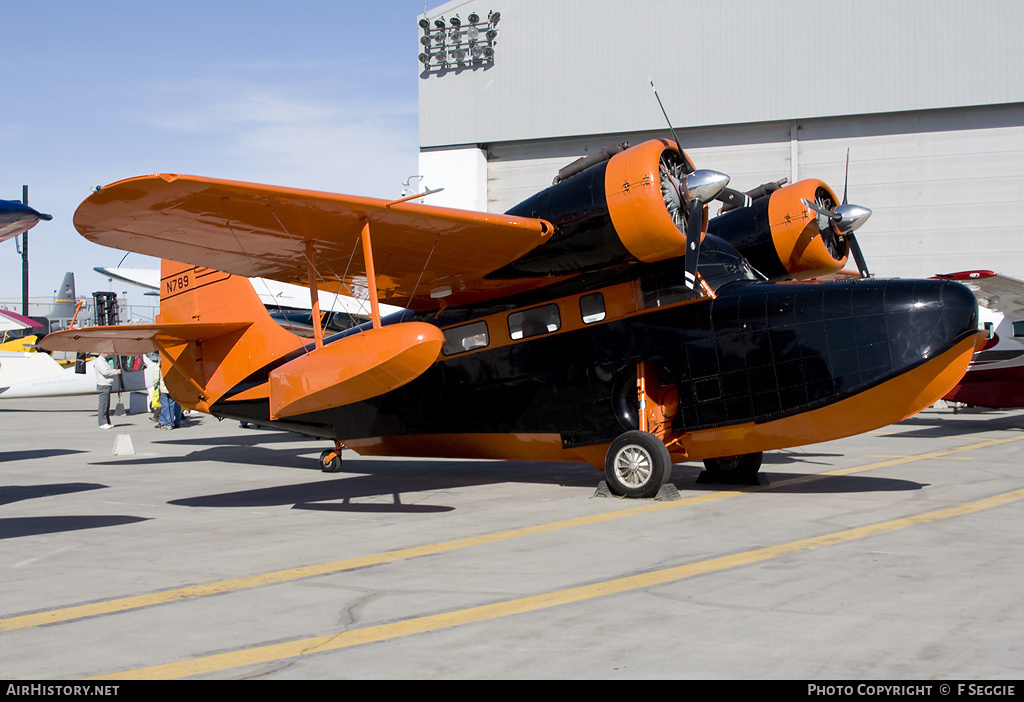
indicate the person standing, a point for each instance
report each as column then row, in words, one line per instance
column 170, row 410
column 104, row 382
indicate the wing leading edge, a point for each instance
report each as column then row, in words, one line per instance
column 423, row 254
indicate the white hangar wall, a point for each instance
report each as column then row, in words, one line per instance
column 928, row 97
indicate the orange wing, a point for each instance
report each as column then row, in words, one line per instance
column 422, row 253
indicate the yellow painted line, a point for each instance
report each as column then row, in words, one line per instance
column 137, row 601
column 418, row 625
column 219, row 587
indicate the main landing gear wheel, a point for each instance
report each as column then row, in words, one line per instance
column 732, row 470
column 330, row 461
column 637, row 465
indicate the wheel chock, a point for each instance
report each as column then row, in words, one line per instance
column 667, row 493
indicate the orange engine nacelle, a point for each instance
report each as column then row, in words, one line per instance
column 625, row 204
column 782, row 237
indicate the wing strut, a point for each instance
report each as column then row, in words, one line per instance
column 371, row 276
column 314, row 298
column 314, row 293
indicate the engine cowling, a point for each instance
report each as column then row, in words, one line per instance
column 784, row 238
column 630, row 207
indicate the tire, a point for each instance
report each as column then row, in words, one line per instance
column 733, row 470
column 332, row 466
column 637, row 465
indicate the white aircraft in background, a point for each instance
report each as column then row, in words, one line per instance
column 288, row 304
column 32, row 374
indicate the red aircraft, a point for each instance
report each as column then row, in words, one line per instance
column 995, row 376
column 604, row 319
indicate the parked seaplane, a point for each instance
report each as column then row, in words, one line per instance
column 995, row 376
column 597, row 321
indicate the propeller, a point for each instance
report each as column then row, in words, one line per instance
column 688, row 190
column 699, row 188
column 845, row 220
column 685, row 195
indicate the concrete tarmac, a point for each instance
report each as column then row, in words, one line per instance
column 217, row 552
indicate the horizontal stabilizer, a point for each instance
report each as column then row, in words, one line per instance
column 354, row 368
column 137, row 339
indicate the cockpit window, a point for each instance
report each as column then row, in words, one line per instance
column 1018, row 328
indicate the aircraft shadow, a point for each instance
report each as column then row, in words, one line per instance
column 32, row 454
column 368, row 480
column 777, row 458
column 937, row 425
column 245, row 454
column 391, row 480
column 16, row 493
column 15, row 527
column 830, row 484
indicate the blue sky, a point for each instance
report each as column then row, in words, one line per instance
column 310, row 93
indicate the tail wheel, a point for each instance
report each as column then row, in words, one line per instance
column 330, row 461
column 637, row 464
column 733, row 470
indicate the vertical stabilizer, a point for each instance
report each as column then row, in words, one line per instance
column 199, row 372
column 64, row 301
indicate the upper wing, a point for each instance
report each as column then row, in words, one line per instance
column 136, row 339
column 421, row 253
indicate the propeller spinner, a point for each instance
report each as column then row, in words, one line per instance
column 688, row 194
column 845, row 220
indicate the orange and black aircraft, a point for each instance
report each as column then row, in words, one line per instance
column 605, row 319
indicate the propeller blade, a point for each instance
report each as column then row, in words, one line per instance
column 846, row 178
column 858, row 256
column 694, row 222
column 734, row 198
column 824, row 212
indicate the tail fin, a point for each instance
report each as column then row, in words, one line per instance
column 64, row 303
column 200, row 372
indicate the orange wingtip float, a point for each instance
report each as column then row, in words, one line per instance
column 607, row 318
column 354, row 369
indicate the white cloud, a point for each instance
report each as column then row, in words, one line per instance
column 359, row 145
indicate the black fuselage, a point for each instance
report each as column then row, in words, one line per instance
column 756, row 352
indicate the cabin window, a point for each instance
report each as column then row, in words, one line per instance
column 465, row 338
column 532, row 322
column 592, row 308
column 1018, row 328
